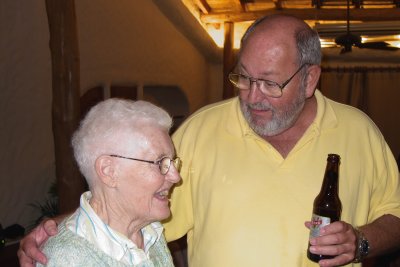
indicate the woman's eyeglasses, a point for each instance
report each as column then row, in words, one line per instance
column 164, row 163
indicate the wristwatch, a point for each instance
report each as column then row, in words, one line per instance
column 362, row 249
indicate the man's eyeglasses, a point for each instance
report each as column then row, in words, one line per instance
column 267, row 87
column 164, row 163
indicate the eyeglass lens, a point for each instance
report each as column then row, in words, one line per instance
column 165, row 164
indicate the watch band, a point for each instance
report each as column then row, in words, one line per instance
column 363, row 248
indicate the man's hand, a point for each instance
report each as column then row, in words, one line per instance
column 29, row 252
column 336, row 239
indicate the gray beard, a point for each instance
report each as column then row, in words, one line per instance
column 281, row 119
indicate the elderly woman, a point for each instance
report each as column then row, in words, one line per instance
column 126, row 155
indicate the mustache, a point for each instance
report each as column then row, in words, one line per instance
column 260, row 106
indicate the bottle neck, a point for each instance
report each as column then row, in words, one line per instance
column 330, row 183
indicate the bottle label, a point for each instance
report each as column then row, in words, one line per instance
column 317, row 222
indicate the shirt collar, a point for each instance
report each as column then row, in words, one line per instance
column 86, row 223
column 326, row 117
column 236, row 124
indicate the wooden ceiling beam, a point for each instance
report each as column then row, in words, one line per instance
column 373, row 14
column 203, row 6
column 239, row 5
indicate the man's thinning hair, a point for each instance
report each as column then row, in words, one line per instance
column 106, row 126
column 307, row 39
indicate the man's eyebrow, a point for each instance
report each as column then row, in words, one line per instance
column 240, row 67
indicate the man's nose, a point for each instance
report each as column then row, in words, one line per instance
column 255, row 94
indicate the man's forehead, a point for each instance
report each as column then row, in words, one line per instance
column 266, row 52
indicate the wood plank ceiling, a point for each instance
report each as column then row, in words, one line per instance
column 244, row 10
column 373, row 18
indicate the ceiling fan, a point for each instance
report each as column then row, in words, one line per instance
column 348, row 40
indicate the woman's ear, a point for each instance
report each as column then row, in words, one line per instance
column 312, row 78
column 106, row 170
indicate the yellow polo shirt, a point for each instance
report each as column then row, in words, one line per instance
column 242, row 204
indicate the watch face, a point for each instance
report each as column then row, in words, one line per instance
column 364, row 247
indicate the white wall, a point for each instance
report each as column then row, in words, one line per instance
column 121, row 42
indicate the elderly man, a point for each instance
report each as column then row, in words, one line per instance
column 124, row 151
column 254, row 164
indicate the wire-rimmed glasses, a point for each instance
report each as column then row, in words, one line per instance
column 267, row 87
column 164, row 163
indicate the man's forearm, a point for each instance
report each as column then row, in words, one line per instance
column 383, row 235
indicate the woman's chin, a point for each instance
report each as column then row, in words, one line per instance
column 163, row 214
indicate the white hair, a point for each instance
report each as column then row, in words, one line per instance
column 103, row 128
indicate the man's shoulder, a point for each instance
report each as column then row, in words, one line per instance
column 207, row 116
column 349, row 118
column 214, row 110
column 349, row 113
column 343, row 112
column 207, row 120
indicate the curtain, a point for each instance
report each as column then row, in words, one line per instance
column 374, row 90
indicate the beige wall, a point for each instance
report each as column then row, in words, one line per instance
column 27, row 160
column 121, row 42
column 133, row 42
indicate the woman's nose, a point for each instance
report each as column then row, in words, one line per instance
column 173, row 175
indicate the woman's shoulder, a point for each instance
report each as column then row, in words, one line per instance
column 64, row 239
column 68, row 249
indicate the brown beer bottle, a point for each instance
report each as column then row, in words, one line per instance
column 327, row 205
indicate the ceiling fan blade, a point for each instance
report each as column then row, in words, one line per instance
column 348, row 39
column 377, row 45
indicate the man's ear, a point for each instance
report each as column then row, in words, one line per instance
column 312, row 78
column 106, row 171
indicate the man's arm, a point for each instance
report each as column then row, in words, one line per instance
column 28, row 252
column 383, row 235
column 339, row 238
